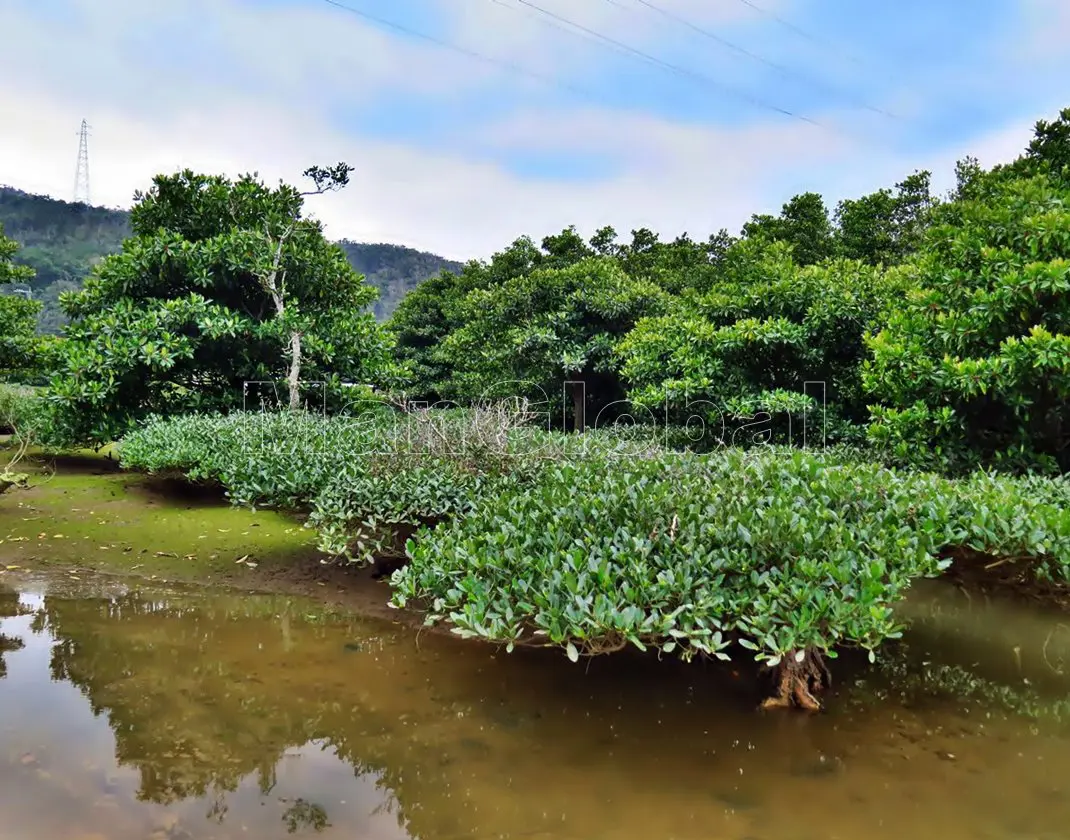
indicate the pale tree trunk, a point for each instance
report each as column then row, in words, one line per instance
column 293, row 381
column 275, row 284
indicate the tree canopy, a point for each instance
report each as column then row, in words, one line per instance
column 205, row 297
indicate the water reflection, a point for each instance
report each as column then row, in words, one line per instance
column 9, row 607
column 167, row 713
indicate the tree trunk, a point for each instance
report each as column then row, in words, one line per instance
column 579, row 406
column 293, row 381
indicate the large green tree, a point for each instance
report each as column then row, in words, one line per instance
column 435, row 309
column 222, row 283
column 769, row 341
column 535, row 332
column 803, row 223
column 976, row 364
column 886, row 226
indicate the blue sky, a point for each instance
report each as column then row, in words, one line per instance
column 460, row 156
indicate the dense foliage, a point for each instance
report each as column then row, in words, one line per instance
column 787, row 551
column 365, row 478
column 23, row 355
column 223, row 283
column 768, row 350
column 537, row 333
column 368, row 478
column 976, row 362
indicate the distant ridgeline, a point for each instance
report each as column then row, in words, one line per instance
column 62, row 241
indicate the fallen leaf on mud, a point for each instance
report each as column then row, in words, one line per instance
column 251, row 564
column 138, row 566
column 57, row 536
column 166, row 554
column 190, row 557
column 242, row 559
column 223, row 530
column 12, row 568
column 42, row 535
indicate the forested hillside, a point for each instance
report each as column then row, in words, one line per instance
column 62, row 241
column 394, row 270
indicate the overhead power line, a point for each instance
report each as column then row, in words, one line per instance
column 802, row 33
column 665, row 65
column 487, row 59
column 551, row 24
column 713, row 36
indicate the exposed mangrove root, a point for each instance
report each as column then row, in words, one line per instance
column 798, row 681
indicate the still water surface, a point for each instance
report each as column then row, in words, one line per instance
column 129, row 712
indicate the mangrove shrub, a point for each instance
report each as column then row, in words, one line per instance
column 975, row 364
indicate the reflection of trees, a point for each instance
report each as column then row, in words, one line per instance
column 201, row 697
column 9, row 608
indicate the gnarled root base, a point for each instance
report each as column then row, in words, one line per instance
column 797, row 682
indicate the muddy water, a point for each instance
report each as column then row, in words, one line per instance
column 129, row 712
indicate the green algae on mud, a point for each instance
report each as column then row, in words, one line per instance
column 81, row 511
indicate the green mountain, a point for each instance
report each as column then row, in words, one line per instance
column 62, row 241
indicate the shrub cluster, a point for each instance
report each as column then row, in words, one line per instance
column 365, row 481
column 782, row 550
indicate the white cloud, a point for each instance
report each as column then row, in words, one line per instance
column 535, row 38
column 271, row 117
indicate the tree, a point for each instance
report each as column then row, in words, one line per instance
column 222, row 283
column 1050, row 146
column 974, row 365
column 19, row 344
column 435, row 308
column 745, row 348
column 885, row 227
column 803, row 223
column 20, row 347
column 538, row 330
column 422, row 320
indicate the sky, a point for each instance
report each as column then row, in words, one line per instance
column 472, row 122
